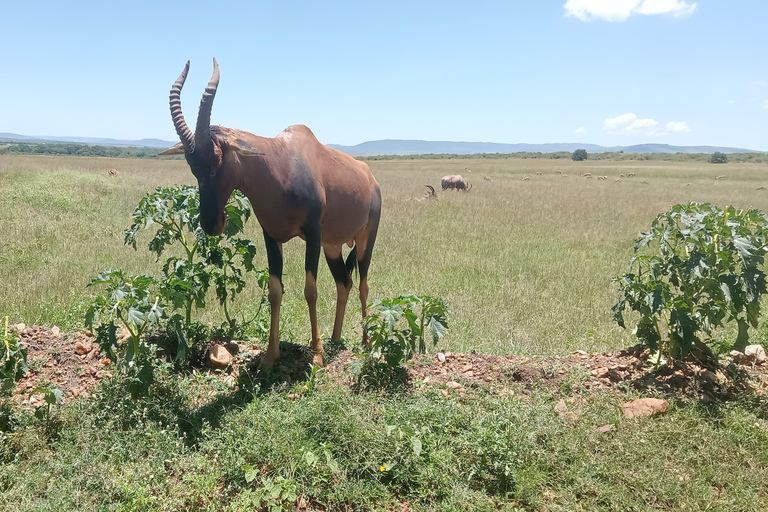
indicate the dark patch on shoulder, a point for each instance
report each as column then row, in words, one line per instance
column 302, row 191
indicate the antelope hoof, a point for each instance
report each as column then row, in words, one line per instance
column 268, row 361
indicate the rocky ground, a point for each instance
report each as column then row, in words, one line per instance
column 73, row 362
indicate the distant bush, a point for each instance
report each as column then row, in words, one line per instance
column 579, row 155
column 718, row 158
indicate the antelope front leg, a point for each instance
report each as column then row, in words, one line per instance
column 275, row 261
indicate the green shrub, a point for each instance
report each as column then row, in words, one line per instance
column 208, row 261
column 13, row 361
column 718, row 158
column 704, row 270
column 579, row 155
column 396, row 329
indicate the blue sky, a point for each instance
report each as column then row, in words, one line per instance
column 596, row 71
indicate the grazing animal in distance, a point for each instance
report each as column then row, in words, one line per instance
column 526, row 178
column 113, row 172
column 760, row 188
column 297, row 187
column 720, row 177
column 454, row 182
column 428, row 195
column 538, row 173
column 467, row 170
column 487, row 178
column 631, row 175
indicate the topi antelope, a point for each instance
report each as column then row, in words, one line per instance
column 297, row 187
column 455, row 182
column 113, row 172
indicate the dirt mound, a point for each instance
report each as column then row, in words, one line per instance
column 73, row 362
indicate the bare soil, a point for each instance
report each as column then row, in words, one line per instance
column 73, row 362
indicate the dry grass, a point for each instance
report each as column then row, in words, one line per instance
column 525, row 265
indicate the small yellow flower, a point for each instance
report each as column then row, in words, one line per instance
column 383, row 468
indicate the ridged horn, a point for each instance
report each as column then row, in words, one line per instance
column 203, row 130
column 185, row 134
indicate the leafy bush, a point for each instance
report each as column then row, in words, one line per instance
column 52, row 395
column 579, row 155
column 718, row 158
column 208, row 261
column 705, row 271
column 128, row 301
column 13, row 361
column 396, row 329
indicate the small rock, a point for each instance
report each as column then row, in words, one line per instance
column 293, row 396
column 600, row 373
column 219, row 356
column 83, row 347
column 467, row 368
column 604, row 428
column 55, row 330
column 614, row 375
column 754, row 354
column 736, row 355
column 441, row 357
column 709, row 376
column 20, row 327
column 561, row 409
column 444, row 392
column 581, row 352
column 453, row 384
column 644, row 407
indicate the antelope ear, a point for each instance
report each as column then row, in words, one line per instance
column 178, row 149
column 242, row 148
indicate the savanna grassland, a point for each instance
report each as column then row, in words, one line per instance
column 526, row 267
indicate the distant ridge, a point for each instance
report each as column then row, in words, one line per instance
column 424, row 147
column 409, row 147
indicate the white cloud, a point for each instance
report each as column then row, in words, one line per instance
column 579, row 130
column 620, row 10
column 677, row 126
column 765, row 104
column 730, row 102
column 630, row 123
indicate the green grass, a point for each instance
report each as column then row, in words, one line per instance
column 526, row 266
column 483, row 452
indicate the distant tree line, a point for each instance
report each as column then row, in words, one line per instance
column 23, row 148
column 607, row 155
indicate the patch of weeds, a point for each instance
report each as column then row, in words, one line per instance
column 333, row 348
column 375, row 375
column 573, row 378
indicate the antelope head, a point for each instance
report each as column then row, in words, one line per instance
column 205, row 152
